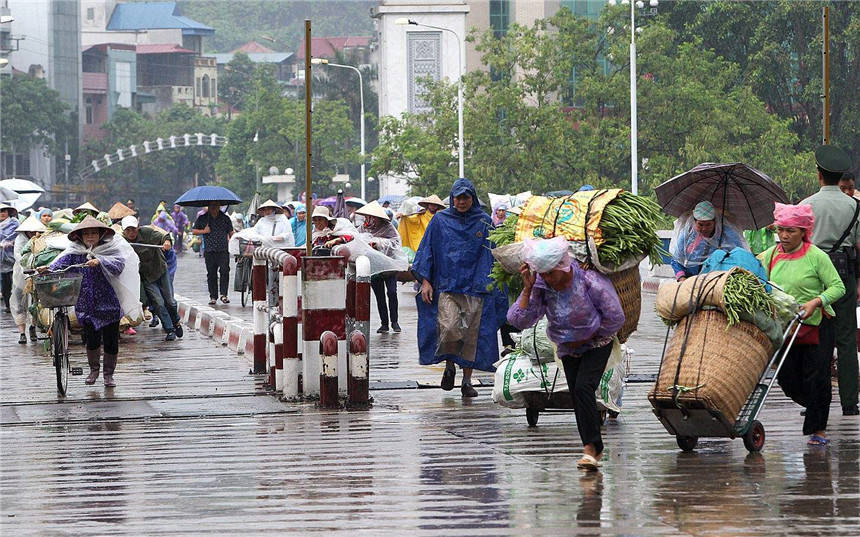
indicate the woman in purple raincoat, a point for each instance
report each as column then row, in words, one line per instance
column 583, row 315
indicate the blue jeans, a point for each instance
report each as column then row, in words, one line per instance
column 161, row 301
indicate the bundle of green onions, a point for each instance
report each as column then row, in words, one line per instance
column 502, row 236
column 629, row 224
column 744, row 295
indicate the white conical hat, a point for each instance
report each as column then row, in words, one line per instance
column 272, row 204
column 434, row 199
column 32, row 224
column 373, row 209
column 85, row 207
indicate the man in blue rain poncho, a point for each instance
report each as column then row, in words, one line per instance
column 457, row 316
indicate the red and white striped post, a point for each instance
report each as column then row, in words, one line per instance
column 258, row 295
column 328, row 370
column 361, row 299
column 359, row 367
column 291, row 362
column 323, row 309
column 350, row 297
column 299, row 252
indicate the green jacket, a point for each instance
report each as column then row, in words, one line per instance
column 152, row 263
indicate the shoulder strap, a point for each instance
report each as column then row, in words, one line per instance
column 838, row 244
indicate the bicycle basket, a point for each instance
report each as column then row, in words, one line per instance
column 59, row 289
column 246, row 247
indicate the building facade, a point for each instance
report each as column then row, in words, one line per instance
column 49, row 47
column 109, row 83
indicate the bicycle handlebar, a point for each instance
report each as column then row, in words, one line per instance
column 31, row 272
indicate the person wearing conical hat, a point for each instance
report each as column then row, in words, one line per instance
column 119, row 211
column 8, row 232
column 273, row 225
column 386, row 240
column 837, row 232
column 412, row 226
column 98, row 307
column 19, row 300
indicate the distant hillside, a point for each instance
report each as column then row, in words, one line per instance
column 239, row 21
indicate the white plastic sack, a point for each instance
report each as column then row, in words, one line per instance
column 511, row 200
column 515, row 375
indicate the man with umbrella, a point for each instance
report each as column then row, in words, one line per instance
column 836, row 231
column 216, row 229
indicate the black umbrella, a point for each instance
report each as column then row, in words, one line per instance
column 201, row 196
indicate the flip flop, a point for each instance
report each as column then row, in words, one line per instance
column 587, row 462
column 816, row 440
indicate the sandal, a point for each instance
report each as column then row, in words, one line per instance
column 587, row 462
column 816, row 440
column 224, row 299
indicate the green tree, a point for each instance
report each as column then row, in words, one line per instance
column 550, row 113
column 158, row 175
column 234, row 82
column 33, row 115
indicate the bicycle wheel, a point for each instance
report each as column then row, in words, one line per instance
column 60, row 350
column 246, row 281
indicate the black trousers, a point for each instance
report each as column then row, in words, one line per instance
column 108, row 334
column 506, row 330
column 381, row 284
column 583, row 375
column 6, row 287
column 217, row 262
column 805, row 379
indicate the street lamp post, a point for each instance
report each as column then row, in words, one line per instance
column 404, row 22
column 323, row 61
column 634, row 126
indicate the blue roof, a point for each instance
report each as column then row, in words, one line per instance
column 154, row 16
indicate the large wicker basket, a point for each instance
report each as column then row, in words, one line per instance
column 629, row 288
column 713, row 367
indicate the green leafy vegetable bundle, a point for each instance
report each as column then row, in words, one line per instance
column 502, row 236
column 744, row 296
column 629, row 225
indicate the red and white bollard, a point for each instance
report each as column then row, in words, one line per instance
column 359, row 368
column 361, row 299
column 323, row 309
column 258, row 295
column 289, row 311
column 328, row 370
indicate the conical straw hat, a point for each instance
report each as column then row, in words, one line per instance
column 32, row 224
column 373, row 209
column 119, row 211
column 272, row 204
column 85, row 207
column 88, row 223
column 434, row 199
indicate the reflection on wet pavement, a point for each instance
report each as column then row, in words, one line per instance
column 421, row 462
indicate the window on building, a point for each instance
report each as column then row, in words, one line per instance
column 205, row 86
column 123, row 84
column 214, row 89
column 91, row 13
column 197, row 87
column 89, row 110
column 500, row 16
column 16, row 164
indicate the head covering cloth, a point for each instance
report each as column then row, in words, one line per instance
column 546, row 255
column 799, row 216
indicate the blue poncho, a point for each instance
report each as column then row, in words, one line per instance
column 454, row 255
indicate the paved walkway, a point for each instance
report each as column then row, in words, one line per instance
column 187, row 444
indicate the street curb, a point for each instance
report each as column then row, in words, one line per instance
column 223, row 328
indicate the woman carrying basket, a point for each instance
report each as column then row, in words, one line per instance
column 806, row 273
column 583, row 314
column 108, row 261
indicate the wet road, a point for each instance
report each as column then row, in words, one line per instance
column 189, row 444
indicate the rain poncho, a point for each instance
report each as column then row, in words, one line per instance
column 454, row 256
column 113, row 253
column 581, row 317
column 689, row 249
column 360, row 245
column 19, row 301
column 299, row 227
column 412, row 228
column 497, row 221
column 275, row 230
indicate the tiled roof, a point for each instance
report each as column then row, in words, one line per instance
column 154, row 16
column 325, row 47
column 252, row 47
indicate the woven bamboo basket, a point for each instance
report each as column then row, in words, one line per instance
column 629, row 288
column 719, row 367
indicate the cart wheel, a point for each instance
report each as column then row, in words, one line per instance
column 532, row 415
column 603, row 414
column 687, row 443
column 754, row 439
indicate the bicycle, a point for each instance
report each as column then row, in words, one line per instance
column 244, row 261
column 58, row 291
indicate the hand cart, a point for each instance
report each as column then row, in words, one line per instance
column 694, row 420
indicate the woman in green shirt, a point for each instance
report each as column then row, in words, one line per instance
column 806, row 273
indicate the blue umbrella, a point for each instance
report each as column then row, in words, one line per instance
column 201, row 196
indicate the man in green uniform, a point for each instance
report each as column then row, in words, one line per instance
column 837, row 233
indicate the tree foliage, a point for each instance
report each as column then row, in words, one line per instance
column 235, row 82
column 33, row 114
column 551, row 111
column 278, row 123
column 160, row 175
